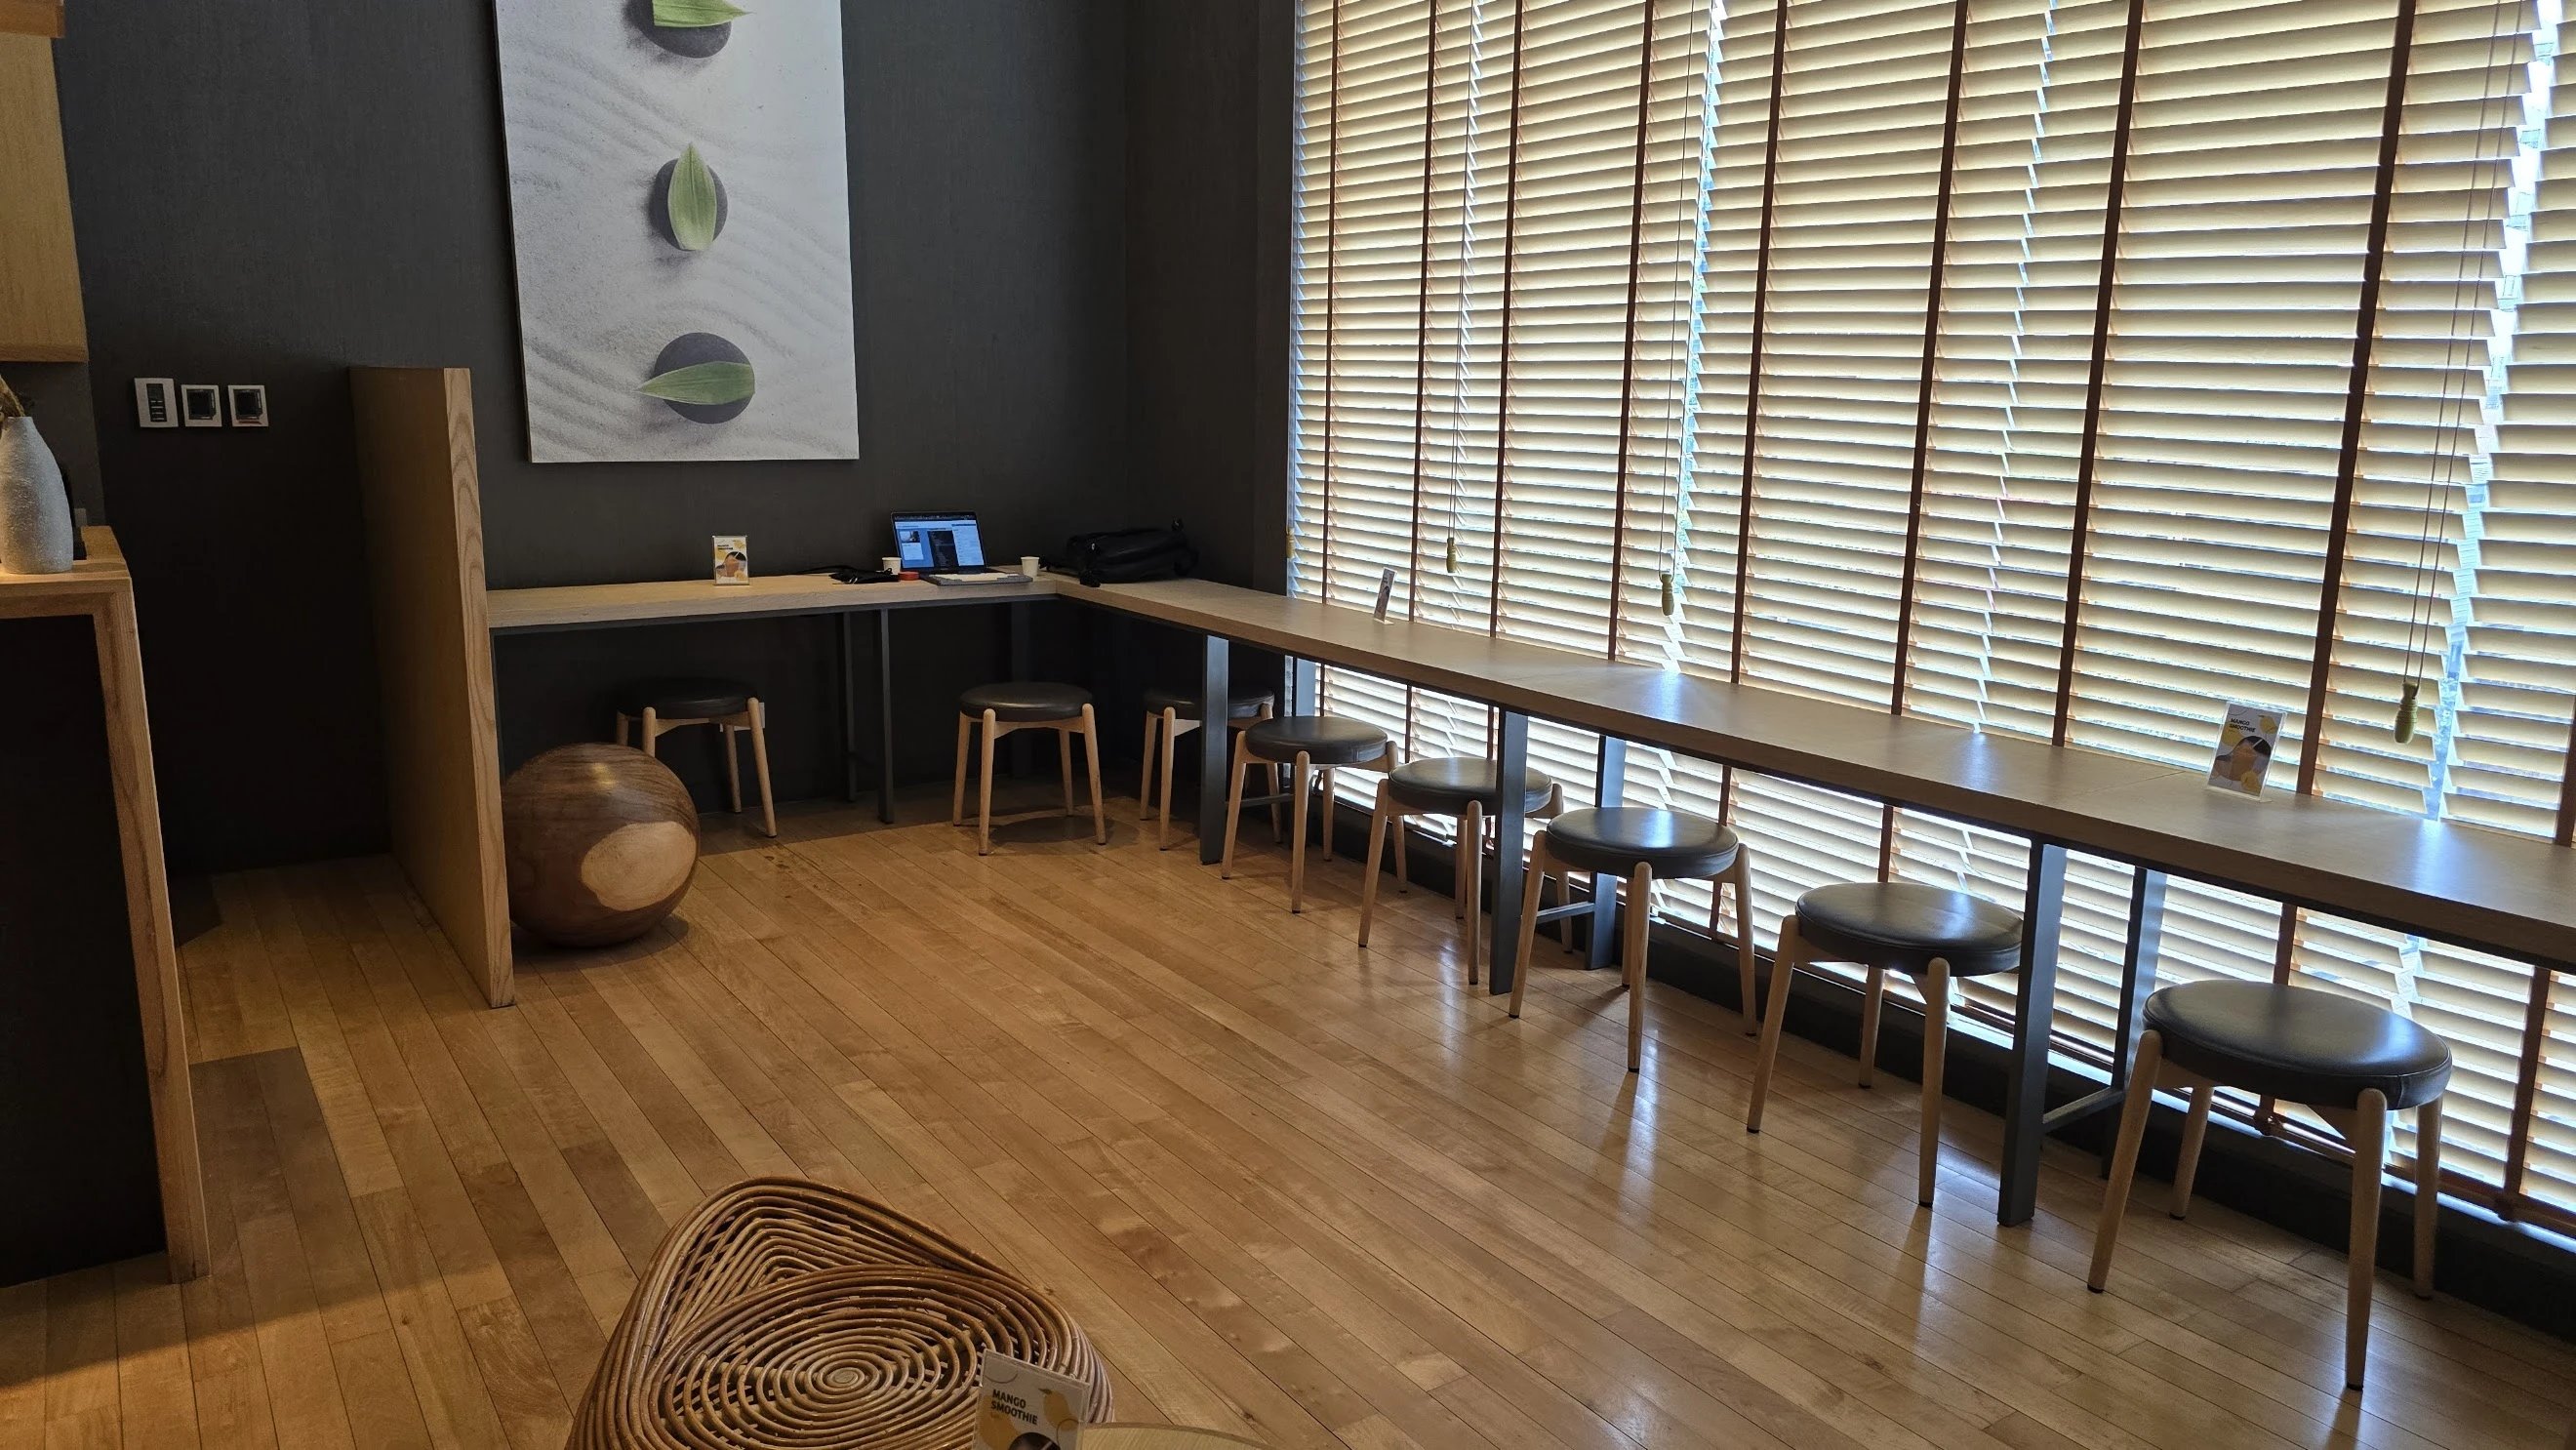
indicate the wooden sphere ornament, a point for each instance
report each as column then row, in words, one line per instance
column 601, row 842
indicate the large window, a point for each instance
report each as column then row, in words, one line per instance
column 2062, row 368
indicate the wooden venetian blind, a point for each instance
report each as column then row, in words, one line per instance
column 2065, row 368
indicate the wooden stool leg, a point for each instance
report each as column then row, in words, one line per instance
column 1873, row 998
column 984, row 790
column 1091, row 765
column 1458, row 873
column 1471, row 836
column 652, row 731
column 1064, row 763
column 1403, row 858
column 1234, row 805
column 2428, row 1191
column 1936, row 1053
column 2143, row 1071
column 957, row 799
column 1145, row 769
column 760, row 766
column 2195, row 1130
column 733, row 764
column 2361, row 1267
column 1171, row 744
column 1784, row 965
column 1324, row 812
column 1278, row 792
column 624, row 727
column 1297, row 804
column 1632, row 960
column 1540, row 863
column 1740, row 876
column 1378, row 825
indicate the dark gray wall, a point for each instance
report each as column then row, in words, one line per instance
column 1210, row 93
column 275, row 190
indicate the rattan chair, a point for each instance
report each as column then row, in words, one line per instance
column 786, row 1313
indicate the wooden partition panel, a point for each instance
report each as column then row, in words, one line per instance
column 434, row 654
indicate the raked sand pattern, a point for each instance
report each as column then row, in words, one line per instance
column 595, row 108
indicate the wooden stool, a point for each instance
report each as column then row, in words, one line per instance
column 1302, row 743
column 1449, row 785
column 662, row 706
column 2352, row 1062
column 784, row 1312
column 1001, row 709
column 1170, row 713
column 1645, row 846
column 1930, row 933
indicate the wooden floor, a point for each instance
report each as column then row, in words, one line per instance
column 1317, row 1195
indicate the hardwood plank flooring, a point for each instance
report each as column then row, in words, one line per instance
column 1308, row 1193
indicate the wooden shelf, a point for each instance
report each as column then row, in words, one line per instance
column 32, row 17
column 101, row 588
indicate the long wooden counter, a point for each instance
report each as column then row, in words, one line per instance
column 2466, row 884
column 100, row 589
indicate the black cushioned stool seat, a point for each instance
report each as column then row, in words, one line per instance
column 647, row 710
column 1642, row 846
column 2354, row 1063
column 685, row 698
column 1312, row 747
column 1025, row 701
column 1451, row 783
column 1242, row 704
column 1322, row 739
column 1675, row 845
column 1927, row 932
column 2298, row 1043
column 1021, row 705
column 1903, row 925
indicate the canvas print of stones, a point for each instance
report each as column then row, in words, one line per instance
column 679, row 199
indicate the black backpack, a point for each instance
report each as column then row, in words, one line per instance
column 1131, row 556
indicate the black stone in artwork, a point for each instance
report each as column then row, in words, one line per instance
column 687, row 351
column 657, row 201
column 696, row 42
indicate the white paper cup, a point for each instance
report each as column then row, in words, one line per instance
column 891, row 563
column 1029, row 565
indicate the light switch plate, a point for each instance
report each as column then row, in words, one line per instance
column 249, row 404
column 201, row 405
column 156, row 403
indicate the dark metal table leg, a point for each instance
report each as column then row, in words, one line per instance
column 1214, row 739
column 1015, row 747
column 2035, row 1003
column 849, row 709
column 1603, row 936
column 885, row 716
column 1511, row 762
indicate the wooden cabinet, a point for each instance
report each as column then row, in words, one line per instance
column 98, row 1131
column 40, row 301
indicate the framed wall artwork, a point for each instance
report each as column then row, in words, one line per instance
column 679, row 202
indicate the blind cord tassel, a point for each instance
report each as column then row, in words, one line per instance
column 2405, row 724
column 1666, row 578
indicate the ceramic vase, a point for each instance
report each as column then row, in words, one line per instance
column 35, row 511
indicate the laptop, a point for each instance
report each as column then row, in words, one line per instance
column 946, row 548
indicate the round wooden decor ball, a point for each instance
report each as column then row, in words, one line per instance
column 601, row 842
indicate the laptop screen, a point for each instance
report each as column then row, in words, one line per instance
column 938, row 541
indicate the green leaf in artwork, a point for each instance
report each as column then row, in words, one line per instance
column 692, row 202
column 695, row 14
column 705, row 383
